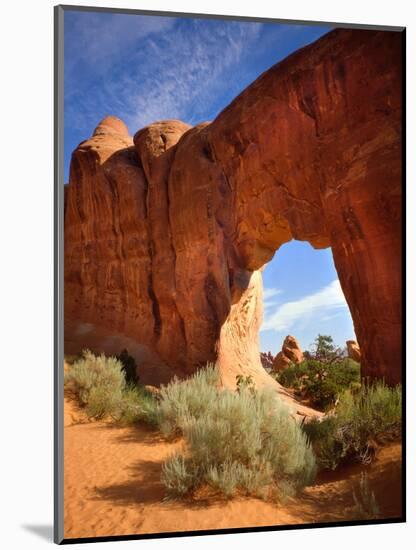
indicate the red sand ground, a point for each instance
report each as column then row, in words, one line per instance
column 112, row 487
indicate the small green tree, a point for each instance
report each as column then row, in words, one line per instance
column 325, row 351
column 321, row 383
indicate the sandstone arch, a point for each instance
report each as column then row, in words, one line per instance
column 166, row 234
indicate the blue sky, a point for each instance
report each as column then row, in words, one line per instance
column 147, row 68
column 303, row 297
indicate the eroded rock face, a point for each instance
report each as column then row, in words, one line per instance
column 165, row 235
column 291, row 353
column 353, row 350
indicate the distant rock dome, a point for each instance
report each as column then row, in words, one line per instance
column 111, row 125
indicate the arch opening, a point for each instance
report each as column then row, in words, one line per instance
column 302, row 297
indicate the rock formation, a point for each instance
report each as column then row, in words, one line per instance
column 166, row 234
column 291, row 353
column 353, row 350
column 266, row 359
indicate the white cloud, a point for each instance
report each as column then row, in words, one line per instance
column 102, row 37
column 269, row 295
column 325, row 303
column 271, row 292
column 190, row 70
column 148, row 69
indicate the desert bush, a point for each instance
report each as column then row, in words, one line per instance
column 366, row 506
column 71, row 358
column 102, row 401
column 100, row 386
column 190, row 398
column 97, row 382
column 323, row 375
column 137, row 405
column 245, row 383
column 177, row 477
column 129, row 367
column 235, row 441
column 229, row 477
column 321, row 383
column 360, row 421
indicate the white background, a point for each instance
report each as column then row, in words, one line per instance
column 26, row 273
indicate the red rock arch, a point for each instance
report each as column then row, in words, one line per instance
column 165, row 235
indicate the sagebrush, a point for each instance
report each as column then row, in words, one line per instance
column 235, row 441
column 245, row 441
column 366, row 505
column 181, row 400
column 137, row 405
column 99, row 383
column 360, row 422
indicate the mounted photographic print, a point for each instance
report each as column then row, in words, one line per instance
column 229, row 274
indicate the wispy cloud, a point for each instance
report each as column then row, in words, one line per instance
column 327, row 302
column 98, row 40
column 271, row 293
column 269, row 297
column 188, row 70
column 144, row 69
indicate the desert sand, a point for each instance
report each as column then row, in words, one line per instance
column 112, row 487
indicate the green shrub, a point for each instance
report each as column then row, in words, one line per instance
column 245, row 383
column 366, row 506
column 137, row 405
column 71, row 358
column 246, row 441
column 321, row 383
column 190, row 398
column 102, row 401
column 229, row 477
column 177, row 477
column 100, row 385
column 129, row 367
column 361, row 420
column 97, row 382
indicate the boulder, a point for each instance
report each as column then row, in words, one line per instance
column 291, row 353
column 280, row 362
column 292, row 350
column 353, row 350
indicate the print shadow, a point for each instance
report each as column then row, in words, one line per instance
column 43, row 531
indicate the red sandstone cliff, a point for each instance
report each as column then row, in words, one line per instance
column 165, row 236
